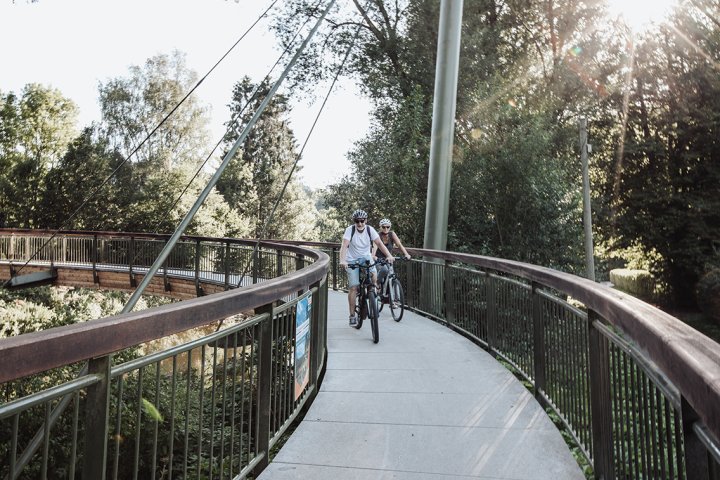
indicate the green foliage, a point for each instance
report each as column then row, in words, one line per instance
column 640, row 283
column 35, row 129
column 253, row 182
column 708, row 294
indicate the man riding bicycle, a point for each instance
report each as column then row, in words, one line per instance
column 356, row 248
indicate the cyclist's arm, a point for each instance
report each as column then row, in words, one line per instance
column 384, row 249
column 343, row 252
column 373, row 252
column 399, row 244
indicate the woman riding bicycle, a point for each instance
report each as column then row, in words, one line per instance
column 356, row 247
column 390, row 240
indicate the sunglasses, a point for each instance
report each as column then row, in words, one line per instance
column 385, row 227
column 360, row 220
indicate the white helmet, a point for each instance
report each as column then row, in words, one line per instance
column 359, row 214
column 385, row 223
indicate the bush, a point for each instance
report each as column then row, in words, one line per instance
column 707, row 293
column 639, row 283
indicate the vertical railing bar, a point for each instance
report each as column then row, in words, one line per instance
column 660, row 400
column 623, row 421
column 580, row 369
column 14, row 440
column 242, row 395
column 538, row 342
column 637, row 419
column 201, row 409
column 223, row 410
column 233, row 390
column 74, row 434
column 46, row 442
column 173, row 393
column 679, row 449
column 118, row 427
column 187, row 414
column 156, row 423
column 212, row 408
column 274, row 400
column 652, row 393
column 138, row 420
column 643, row 422
column 669, row 438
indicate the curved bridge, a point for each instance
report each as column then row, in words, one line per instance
column 638, row 390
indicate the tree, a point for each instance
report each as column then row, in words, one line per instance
column 253, row 181
column 85, row 166
column 35, row 130
column 161, row 168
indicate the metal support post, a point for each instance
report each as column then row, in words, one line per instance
column 96, row 420
column 587, row 209
column 696, row 455
column 600, row 402
column 538, row 343
column 264, row 389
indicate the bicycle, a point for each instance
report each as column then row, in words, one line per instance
column 392, row 290
column 366, row 301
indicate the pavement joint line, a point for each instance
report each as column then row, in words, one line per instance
column 433, row 425
column 447, row 475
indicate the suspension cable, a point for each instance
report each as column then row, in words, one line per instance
column 299, row 155
column 232, row 124
column 147, row 137
column 216, row 176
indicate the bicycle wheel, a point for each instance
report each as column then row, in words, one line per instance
column 373, row 315
column 397, row 300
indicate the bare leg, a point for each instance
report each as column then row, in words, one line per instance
column 352, row 293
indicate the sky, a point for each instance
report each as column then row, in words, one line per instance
column 73, row 45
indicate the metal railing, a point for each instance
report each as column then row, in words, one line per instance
column 211, row 405
column 638, row 390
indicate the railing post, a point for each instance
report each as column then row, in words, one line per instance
column 264, row 388
column 96, row 420
column 227, row 265
column 538, row 342
column 255, row 262
column 299, row 264
column 697, row 466
column 335, row 254
column 491, row 297
column 315, row 318
column 166, row 283
column 278, row 263
column 95, row 255
column 450, row 310
column 131, row 260
column 600, row 401
column 198, row 289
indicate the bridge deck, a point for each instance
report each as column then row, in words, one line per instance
column 425, row 403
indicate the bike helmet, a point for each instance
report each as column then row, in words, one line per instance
column 359, row 214
column 385, row 223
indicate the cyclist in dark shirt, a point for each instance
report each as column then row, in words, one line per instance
column 390, row 240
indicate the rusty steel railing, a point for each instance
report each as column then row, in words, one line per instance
column 209, row 404
column 638, row 389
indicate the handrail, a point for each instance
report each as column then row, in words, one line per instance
column 261, row 342
column 689, row 359
column 73, row 343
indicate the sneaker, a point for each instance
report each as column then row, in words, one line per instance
column 353, row 320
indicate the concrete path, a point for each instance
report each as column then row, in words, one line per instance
column 424, row 403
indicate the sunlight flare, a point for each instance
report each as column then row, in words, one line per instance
column 638, row 15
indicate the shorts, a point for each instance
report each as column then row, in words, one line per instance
column 353, row 274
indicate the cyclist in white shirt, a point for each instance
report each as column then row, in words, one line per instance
column 357, row 248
